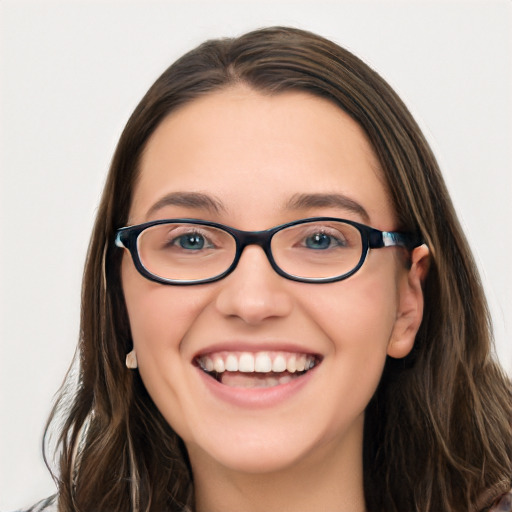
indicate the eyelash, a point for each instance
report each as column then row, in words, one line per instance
column 173, row 237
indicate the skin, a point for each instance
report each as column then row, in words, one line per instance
column 253, row 153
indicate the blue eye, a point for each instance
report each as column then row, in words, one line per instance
column 318, row 241
column 192, row 241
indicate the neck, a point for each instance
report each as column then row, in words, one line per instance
column 330, row 479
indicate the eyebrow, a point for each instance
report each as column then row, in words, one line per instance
column 302, row 201
column 201, row 201
column 194, row 200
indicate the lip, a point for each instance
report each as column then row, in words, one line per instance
column 255, row 398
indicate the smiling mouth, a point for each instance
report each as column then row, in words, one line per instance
column 256, row 370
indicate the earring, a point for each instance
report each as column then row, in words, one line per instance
column 131, row 360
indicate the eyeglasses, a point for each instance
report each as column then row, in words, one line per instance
column 313, row 250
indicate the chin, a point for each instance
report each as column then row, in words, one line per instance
column 260, row 458
column 283, row 447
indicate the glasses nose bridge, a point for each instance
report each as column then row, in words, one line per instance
column 260, row 238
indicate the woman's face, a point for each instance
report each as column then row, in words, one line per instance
column 254, row 161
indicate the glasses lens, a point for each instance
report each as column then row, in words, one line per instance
column 185, row 252
column 318, row 250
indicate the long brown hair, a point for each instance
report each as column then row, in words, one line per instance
column 438, row 430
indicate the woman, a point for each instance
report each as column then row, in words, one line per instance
column 248, row 342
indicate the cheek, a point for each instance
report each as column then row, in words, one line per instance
column 358, row 313
column 357, row 316
column 158, row 314
column 160, row 317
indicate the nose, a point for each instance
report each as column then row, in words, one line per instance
column 254, row 292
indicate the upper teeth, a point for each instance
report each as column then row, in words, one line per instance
column 261, row 362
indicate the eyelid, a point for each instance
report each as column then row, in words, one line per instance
column 319, row 227
column 209, row 234
column 189, row 228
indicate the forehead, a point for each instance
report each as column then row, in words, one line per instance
column 254, row 151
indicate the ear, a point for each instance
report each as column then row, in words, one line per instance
column 410, row 304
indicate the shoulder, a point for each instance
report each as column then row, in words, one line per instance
column 46, row 505
column 502, row 504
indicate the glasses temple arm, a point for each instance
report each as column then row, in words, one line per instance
column 393, row 238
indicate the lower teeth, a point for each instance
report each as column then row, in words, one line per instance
column 255, row 380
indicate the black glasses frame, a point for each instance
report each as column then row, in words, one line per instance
column 372, row 238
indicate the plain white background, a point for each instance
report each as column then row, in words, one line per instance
column 71, row 73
